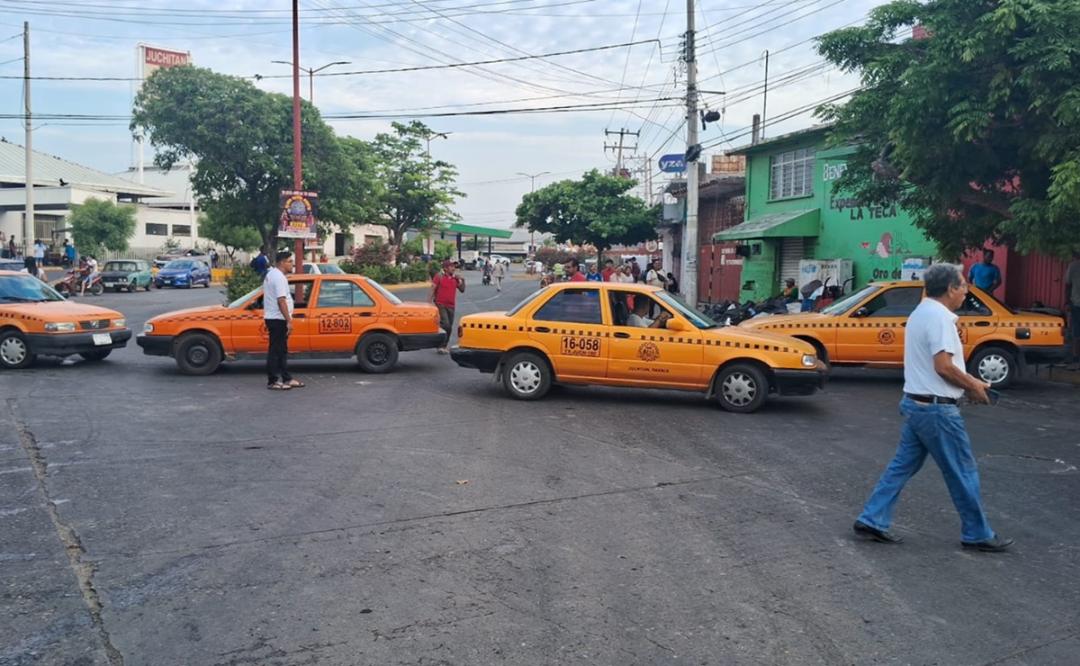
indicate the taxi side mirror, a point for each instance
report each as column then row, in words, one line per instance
column 676, row 325
column 861, row 312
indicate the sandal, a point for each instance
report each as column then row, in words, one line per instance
column 295, row 383
column 278, row 386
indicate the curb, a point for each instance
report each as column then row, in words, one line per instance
column 1057, row 374
column 404, row 286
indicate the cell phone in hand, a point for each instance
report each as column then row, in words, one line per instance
column 993, row 395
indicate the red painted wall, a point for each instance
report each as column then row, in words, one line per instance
column 1026, row 279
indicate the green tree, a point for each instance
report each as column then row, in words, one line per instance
column 232, row 236
column 241, row 137
column 975, row 129
column 416, row 191
column 596, row 210
column 98, row 225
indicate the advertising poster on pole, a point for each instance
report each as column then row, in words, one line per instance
column 299, row 214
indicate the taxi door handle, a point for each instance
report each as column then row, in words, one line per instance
column 622, row 335
column 299, row 315
column 982, row 323
column 542, row 329
column 364, row 314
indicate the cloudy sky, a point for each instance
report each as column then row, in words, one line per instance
column 97, row 38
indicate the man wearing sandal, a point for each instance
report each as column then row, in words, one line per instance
column 277, row 315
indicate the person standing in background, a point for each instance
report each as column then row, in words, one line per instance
column 985, row 275
column 609, row 270
column 277, row 316
column 500, row 273
column 444, row 290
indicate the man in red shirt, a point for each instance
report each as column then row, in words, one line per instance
column 444, row 289
column 609, row 270
column 575, row 271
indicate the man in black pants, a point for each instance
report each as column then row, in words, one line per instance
column 277, row 315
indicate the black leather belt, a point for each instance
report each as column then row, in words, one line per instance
column 933, row 399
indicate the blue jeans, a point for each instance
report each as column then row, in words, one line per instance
column 937, row 430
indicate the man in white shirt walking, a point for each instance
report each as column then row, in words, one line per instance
column 277, row 315
column 934, row 381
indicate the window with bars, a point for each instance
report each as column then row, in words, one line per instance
column 791, row 174
column 154, row 229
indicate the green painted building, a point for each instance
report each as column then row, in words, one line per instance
column 793, row 214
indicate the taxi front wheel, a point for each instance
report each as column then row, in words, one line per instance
column 741, row 388
column 377, row 353
column 197, row 354
column 526, row 376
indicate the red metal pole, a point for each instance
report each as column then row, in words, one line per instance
column 298, row 171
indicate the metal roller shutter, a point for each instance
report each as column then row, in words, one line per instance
column 791, row 252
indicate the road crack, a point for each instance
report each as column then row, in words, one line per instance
column 69, row 537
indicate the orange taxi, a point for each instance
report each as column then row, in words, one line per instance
column 335, row 316
column 582, row 333
column 867, row 329
column 37, row 321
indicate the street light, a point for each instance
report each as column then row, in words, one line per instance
column 532, row 188
column 311, row 74
column 435, row 135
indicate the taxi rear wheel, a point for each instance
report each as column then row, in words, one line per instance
column 377, row 353
column 197, row 354
column 14, row 351
column 994, row 365
column 526, row 376
column 741, row 388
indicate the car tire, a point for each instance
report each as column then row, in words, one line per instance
column 132, row 288
column 741, row 388
column 197, row 354
column 526, row 376
column 15, row 350
column 995, row 365
column 99, row 355
column 377, row 353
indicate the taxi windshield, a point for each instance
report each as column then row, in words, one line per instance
column 848, row 302
column 386, row 293
column 696, row 318
column 245, row 298
column 528, row 299
column 26, row 289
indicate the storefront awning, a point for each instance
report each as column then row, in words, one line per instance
column 775, row 225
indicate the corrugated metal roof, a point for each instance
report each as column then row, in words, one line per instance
column 174, row 181
column 49, row 170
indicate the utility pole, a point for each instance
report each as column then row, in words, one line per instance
column 298, row 165
column 693, row 150
column 532, row 188
column 765, row 96
column 622, row 133
column 28, row 216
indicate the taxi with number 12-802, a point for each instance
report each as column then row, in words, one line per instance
column 584, row 333
column 335, row 316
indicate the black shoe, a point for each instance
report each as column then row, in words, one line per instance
column 881, row 536
column 996, row 545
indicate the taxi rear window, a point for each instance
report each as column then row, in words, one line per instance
column 578, row 306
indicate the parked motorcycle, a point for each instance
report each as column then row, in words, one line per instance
column 71, row 285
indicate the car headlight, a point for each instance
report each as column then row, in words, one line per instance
column 809, row 360
column 119, row 323
column 60, row 327
column 147, row 328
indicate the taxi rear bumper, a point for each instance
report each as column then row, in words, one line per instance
column 799, row 382
column 414, row 341
column 484, row 360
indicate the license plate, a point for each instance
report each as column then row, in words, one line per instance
column 109, row 284
column 102, row 339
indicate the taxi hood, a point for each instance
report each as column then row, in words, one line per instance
column 54, row 311
column 205, row 309
column 797, row 319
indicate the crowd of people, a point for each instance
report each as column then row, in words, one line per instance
column 628, row 271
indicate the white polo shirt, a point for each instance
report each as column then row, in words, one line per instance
column 275, row 285
column 931, row 329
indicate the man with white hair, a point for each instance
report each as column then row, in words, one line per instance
column 934, row 381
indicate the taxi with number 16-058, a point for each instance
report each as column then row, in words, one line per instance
column 335, row 316
column 634, row 336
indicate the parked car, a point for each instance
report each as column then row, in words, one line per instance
column 130, row 274
column 322, row 269
column 582, row 333
column 867, row 329
column 499, row 259
column 183, row 273
column 37, row 321
column 12, row 265
column 336, row 316
column 195, row 255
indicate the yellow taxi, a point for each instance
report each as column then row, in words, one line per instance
column 867, row 329
column 636, row 336
column 37, row 321
column 335, row 316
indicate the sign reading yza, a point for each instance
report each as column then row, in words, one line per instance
column 673, row 163
column 299, row 214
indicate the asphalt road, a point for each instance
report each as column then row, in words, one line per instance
column 421, row 517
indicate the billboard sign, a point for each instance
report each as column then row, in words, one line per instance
column 299, row 214
column 674, row 163
column 153, row 58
